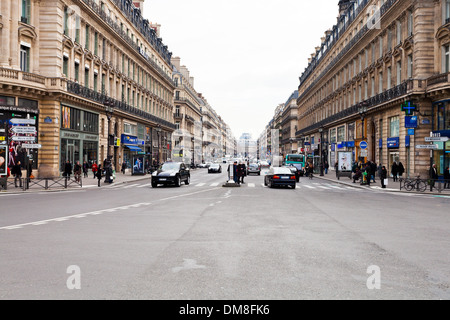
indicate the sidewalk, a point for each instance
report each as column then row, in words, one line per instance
column 391, row 187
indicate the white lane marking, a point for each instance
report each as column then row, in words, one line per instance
column 76, row 216
column 145, row 185
column 251, row 185
column 214, row 184
column 187, row 194
column 323, row 187
column 200, row 184
column 310, row 187
column 131, row 186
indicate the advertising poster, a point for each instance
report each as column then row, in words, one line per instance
column 345, row 161
column 3, row 161
column 138, row 165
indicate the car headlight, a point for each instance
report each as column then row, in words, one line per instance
column 155, row 174
column 173, row 174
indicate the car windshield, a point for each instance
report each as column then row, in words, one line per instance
column 254, row 166
column 214, row 166
column 168, row 166
column 282, row 170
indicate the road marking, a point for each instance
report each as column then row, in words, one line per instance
column 323, row 187
column 251, row 185
column 214, row 184
column 76, row 216
column 145, row 185
column 131, row 186
column 187, row 194
column 200, row 184
column 310, row 187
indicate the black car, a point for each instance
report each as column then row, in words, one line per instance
column 278, row 176
column 215, row 168
column 171, row 173
column 295, row 171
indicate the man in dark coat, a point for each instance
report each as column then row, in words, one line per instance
column 383, row 176
column 373, row 170
column 447, row 178
column 17, row 172
column 434, row 176
column 67, row 169
column 394, row 171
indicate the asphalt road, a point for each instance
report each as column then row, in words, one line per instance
column 206, row 242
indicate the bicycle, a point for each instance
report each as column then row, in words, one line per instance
column 417, row 184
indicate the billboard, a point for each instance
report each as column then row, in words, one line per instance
column 3, row 161
column 345, row 160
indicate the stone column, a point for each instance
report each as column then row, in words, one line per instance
column 49, row 138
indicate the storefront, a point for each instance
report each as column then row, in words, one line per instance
column 19, row 119
column 441, row 130
column 133, row 153
column 79, row 136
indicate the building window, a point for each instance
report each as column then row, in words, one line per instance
column 399, row 73
column 341, row 134
column 372, row 91
column 24, row 58
column 96, row 43
column 389, row 39
column 26, row 10
column 87, row 38
column 66, row 21
column 447, row 11
column 389, row 76
column 380, row 82
column 381, row 47
column 95, row 82
column 394, row 126
column 77, row 71
column 399, row 32
column 86, row 77
column 177, row 95
column 446, row 59
column 104, row 49
column 66, row 66
column 410, row 66
column 410, row 24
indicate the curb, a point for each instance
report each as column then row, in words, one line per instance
column 388, row 190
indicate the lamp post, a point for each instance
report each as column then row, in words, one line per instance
column 362, row 112
column 321, row 151
column 109, row 110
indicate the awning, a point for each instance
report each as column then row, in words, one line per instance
column 134, row 148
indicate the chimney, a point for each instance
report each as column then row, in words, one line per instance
column 176, row 62
column 191, row 81
column 140, row 5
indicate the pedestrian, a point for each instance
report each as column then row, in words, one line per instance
column 357, row 175
column 235, row 172
column 77, row 171
column 373, row 170
column 326, row 166
column 242, row 171
column 67, row 169
column 368, row 170
column 124, row 167
column 401, row 169
column 394, row 171
column 379, row 169
column 94, row 169
column 30, row 170
column 99, row 174
column 447, row 178
column 433, row 176
column 17, row 172
column 85, row 169
column 383, row 177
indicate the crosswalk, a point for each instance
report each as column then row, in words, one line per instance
column 330, row 187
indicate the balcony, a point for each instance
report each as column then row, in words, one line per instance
column 438, row 79
column 178, row 116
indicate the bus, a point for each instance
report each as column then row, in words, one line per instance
column 295, row 159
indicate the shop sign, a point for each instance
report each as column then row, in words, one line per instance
column 411, row 122
column 407, row 141
column 126, row 139
column 411, row 132
column 380, row 143
column 393, row 143
column 350, row 144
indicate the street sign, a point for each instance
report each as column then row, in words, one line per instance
column 23, row 121
column 27, row 130
column 363, row 145
column 363, row 153
column 436, row 139
column 31, row 146
column 426, row 146
column 16, row 138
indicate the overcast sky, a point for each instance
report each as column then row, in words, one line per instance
column 246, row 56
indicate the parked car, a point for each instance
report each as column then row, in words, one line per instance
column 215, row 168
column 171, row 173
column 201, row 165
column 279, row 176
column 264, row 164
column 254, row 168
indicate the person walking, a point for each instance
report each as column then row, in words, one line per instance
column 401, row 169
column 85, row 169
column 98, row 174
column 242, row 171
column 394, row 171
column 17, row 172
column 368, row 171
column 383, row 176
column 326, row 166
column 379, row 169
column 447, row 178
column 77, row 171
column 67, row 169
column 94, row 169
column 235, row 172
column 124, row 167
column 373, row 170
column 433, row 176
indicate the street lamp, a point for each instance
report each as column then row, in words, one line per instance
column 362, row 112
column 321, row 152
column 109, row 110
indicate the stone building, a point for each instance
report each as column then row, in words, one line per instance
column 94, row 77
column 288, row 128
column 380, row 76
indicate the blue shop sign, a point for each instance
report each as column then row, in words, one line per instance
column 410, row 122
column 380, row 143
column 350, row 144
column 410, row 132
column 393, row 143
column 340, row 145
column 126, row 139
column 333, row 147
column 407, row 141
column 312, row 140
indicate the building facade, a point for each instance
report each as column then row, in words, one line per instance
column 289, row 126
column 377, row 86
column 91, row 77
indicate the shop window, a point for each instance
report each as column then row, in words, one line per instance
column 341, row 134
column 24, row 59
column 7, row 101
